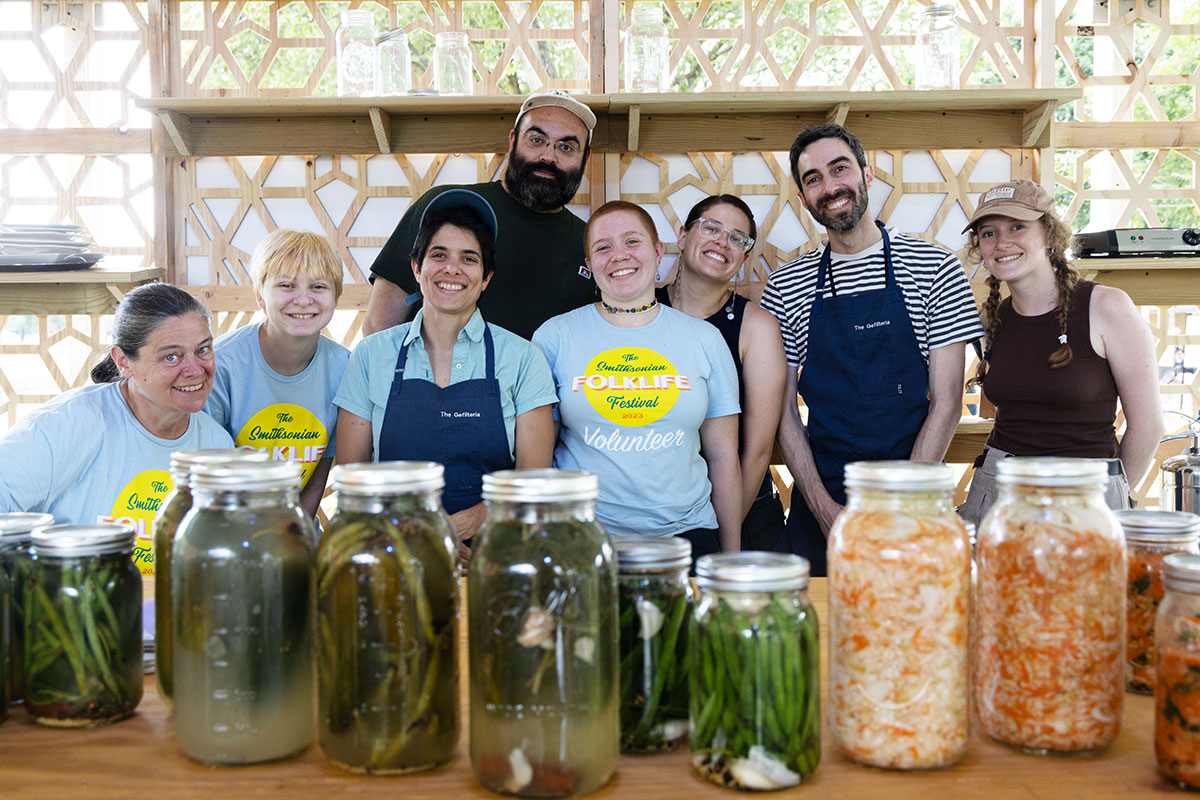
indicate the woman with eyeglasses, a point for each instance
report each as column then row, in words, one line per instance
column 714, row 243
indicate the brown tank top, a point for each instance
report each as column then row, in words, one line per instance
column 1050, row 412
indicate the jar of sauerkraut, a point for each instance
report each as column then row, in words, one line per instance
column 1177, row 663
column 1149, row 536
column 899, row 590
column 1050, row 609
column 754, row 688
column 654, row 598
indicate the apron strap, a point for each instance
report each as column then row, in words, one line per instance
column 825, row 267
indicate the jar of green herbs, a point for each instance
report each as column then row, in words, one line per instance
column 16, row 534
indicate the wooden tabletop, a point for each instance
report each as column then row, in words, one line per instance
column 140, row 758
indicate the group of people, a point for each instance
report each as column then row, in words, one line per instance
column 536, row 340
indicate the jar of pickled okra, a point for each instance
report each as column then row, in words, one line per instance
column 1177, row 663
column 899, row 594
column 175, row 505
column 16, row 534
column 387, row 608
column 1149, row 537
column 83, row 626
column 754, row 673
column 243, row 615
column 542, row 596
column 1050, row 609
column 654, row 599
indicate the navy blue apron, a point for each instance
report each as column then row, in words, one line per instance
column 460, row 427
column 866, row 386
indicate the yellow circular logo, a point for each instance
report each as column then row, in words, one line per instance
column 289, row 433
column 137, row 505
column 631, row 386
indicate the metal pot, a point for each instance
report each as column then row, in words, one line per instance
column 1181, row 473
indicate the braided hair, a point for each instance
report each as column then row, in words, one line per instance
column 1058, row 239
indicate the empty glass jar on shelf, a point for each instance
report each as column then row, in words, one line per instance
column 355, row 44
column 452, row 72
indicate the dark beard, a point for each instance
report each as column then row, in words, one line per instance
column 848, row 220
column 538, row 193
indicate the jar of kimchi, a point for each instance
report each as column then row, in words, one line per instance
column 1050, row 609
column 899, row 590
column 1149, row 536
column 1177, row 662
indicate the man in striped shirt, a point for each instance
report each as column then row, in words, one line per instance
column 874, row 327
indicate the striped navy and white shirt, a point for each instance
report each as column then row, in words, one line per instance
column 935, row 288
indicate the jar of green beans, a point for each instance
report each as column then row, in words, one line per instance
column 242, row 591
column 16, row 534
column 83, row 626
column 542, row 592
column 387, row 608
column 654, row 598
column 176, row 504
column 755, row 719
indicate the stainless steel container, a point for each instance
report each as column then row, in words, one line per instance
column 1181, row 473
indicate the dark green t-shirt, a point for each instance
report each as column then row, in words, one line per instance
column 539, row 261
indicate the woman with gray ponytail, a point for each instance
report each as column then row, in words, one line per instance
column 101, row 452
column 1058, row 353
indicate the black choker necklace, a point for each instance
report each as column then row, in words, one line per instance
column 638, row 310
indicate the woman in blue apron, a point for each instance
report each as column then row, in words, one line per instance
column 448, row 387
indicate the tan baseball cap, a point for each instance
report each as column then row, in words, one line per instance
column 559, row 99
column 1017, row 199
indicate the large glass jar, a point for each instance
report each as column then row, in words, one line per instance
column 654, row 598
column 394, row 62
column 175, row 506
column 1050, row 609
column 1149, row 536
column 355, row 47
column 1177, row 663
column 938, row 38
column 16, row 534
column 242, row 587
column 542, row 594
column 452, row 72
column 647, row 50
column 387, row 608
column 83, row 626
column 899, row 593
column 754, row 689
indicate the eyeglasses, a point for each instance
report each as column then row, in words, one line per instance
column 711, row 230
column 540, row 141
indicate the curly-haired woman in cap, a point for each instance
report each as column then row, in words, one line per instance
column 1058, row 353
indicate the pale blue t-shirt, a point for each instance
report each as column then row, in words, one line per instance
column 291, row 416
column 631, row 402
column 521, row 371
column 85, row 458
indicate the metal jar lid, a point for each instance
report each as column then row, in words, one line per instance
column 388, row 477
column 182, row 461
column 641, row 553
column 17, row 527
column 1181, row 572
column 1052, row 471
column 752, row 571
column 540, row 486
column 83, row 540
column 903, row 476
column 1158, row 527
column 249, row 476
column 394, row 33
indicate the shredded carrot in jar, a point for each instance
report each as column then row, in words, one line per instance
column 1177, row 714
column 1144, row 594
column 898, row 670
column 1050, row 613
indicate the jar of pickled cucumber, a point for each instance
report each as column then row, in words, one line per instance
column 1050, row 609
column 175, row 505
column 16, row 534
column 899, row 593
column 542, row 596
column 83, row 626
column 654, row 599
column 1177, row 663
column 387, row 608
column 1149, row 537
column 754, row 687
column 243, row 614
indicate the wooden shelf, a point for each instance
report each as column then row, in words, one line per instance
column 730, row 122
column 85, row 291
column 1149, row 281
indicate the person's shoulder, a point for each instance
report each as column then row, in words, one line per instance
column 209, row 430
column 237, row 337
column 504, row 338
column 911, row 247
column 388, row 337
column 73, row 401
column 1109, row 302
column 797, row 269
column 759, row 321
column 336, row 352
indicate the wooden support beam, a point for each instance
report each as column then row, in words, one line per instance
column 74, row 141
column 1034, row 123
column 635, row 121
column 837, row 114
column 381, row 123
column 178, row 128
column 1113, row 135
